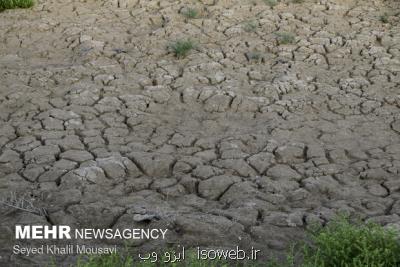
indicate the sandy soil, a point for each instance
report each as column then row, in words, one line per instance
column 246, row 141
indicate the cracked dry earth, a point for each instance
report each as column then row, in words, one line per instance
column 245, row 142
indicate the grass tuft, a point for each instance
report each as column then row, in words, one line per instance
column 384, row 18
column 11, row 4
column 182, row 47
column 254, row 56
column 250, row 26
column 271, row 3
column 285, row 38
column 190, row 13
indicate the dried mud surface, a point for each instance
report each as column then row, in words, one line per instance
column 246, row 141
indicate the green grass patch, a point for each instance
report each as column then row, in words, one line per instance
column 342, row 243
column 11, row 4
column 190, row 13
column 284, row 38
column 250, row 26
column 181, row 48
column 254, row 56
column 271, row 3
column 384, row 18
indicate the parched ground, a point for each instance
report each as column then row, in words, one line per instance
column 245, row 142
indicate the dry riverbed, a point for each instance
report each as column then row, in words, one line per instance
column 278, row 118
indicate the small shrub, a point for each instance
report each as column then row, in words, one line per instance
column 254, row 56
column 182, row 47
column 298, row 1
column 384, row 18
column 271, row 3
column 190, row 13
column 342, row 243
column 250, row 26
column 285, row 38
column 11, row 4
